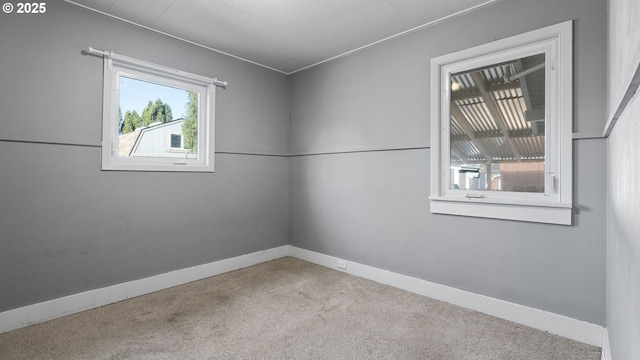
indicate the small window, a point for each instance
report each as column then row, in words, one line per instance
column 501, row 129
column 176, row 141
column 156, row 118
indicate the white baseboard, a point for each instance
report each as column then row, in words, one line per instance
column 47, row 310
column 606, row 347
column 556, row 324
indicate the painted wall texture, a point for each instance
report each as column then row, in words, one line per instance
column 623, row 48
column 360, row 168
column 355, row 187
column 69, row 227
column 623, row 242
column 623, row 172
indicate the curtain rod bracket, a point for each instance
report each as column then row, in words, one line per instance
column 220, row 83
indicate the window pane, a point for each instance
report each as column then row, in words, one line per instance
column 153, row 116
column 176, row 141
column 497, row 129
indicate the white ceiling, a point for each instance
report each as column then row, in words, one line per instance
column 285, row 35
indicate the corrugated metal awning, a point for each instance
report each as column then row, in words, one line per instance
column 497, row 114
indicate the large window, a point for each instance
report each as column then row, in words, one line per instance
column 501, row 129
column 156, row 118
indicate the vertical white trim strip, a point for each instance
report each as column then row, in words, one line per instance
column 606, row 347
column 631, row 91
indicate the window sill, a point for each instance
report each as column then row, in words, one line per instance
column 542, row 213
column 177, row 165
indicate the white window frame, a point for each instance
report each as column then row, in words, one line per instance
column 555, row 204
column 115, row 66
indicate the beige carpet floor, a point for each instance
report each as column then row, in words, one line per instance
column 285, row 309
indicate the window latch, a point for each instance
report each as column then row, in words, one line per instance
column 553, row 182
column 474, row 196
column 183, row 162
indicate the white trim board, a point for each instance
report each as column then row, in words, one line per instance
column 557, row 324
column 631, row 91
column 47, row 310
column 606, row 347
column 542, row 320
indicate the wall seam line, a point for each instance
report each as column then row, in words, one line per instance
column 96, row 145
column 360, row 151
column 44, row 142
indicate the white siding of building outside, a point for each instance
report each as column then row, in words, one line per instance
column 155, row 141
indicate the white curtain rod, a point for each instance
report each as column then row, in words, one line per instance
column 114, row 56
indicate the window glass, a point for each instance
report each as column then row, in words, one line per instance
column 497, row 127
column 176, row 141
column 154, row 117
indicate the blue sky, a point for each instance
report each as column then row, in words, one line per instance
column 136, row 94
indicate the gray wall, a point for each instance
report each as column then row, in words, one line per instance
column 359, row 185
column 66, row 226
column 623, row 160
